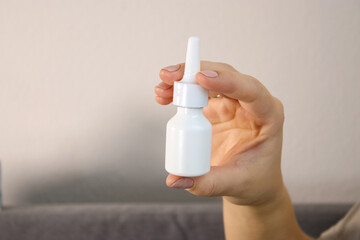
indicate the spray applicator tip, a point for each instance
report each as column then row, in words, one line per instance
column 187, row 93
column 192, row 64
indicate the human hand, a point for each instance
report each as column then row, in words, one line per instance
column 247, row 135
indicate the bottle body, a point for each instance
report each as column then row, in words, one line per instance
column 188, row 143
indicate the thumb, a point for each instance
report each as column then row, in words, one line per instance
column 220, row 181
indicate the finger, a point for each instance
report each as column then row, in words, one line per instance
column 169, row 75
column 220, row 181
column 213, row 94
column 168, row 93
column 172, row 73
column 164, row 93
column 163, row 101
column 253, row 96
column 184, row 182
column 163, row 85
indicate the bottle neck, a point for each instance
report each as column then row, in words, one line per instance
column 192, row 111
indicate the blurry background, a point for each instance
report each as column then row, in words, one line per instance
column 78, row 120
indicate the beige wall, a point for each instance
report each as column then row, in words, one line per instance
column 77, row 117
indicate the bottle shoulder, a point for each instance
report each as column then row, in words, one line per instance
column 189, row 121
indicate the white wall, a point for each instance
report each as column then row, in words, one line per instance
column 78, row 120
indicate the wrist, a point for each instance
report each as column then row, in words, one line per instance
column 262, row 193
column 264, row 208
column 271, row 219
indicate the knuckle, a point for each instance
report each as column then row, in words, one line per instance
column 182, row 65
column 279, row 106
column 228, row 66
column 216, row 66
column 210, row 190
column 257, row 84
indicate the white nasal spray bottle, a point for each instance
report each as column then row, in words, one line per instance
column 188, row 133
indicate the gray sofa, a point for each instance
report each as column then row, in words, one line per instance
column 139, row 221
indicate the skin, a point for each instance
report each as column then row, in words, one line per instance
column 246, row 153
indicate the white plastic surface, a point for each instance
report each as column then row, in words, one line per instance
column 187, row 93
column 192, row 63
column 188, row 133
column 188, row 143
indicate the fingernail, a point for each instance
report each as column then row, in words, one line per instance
column 209, row 73
column 172, row 68
column 183, row 183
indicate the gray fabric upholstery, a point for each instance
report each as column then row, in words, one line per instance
column 316, row 218
column 139, row 221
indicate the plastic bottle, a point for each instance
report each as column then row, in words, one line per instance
column 188, row 133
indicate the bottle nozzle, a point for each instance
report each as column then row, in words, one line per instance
column 187, row 93
column 192, row 64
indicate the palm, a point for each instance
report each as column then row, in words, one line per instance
column 234, row 129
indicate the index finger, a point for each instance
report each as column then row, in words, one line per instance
column 252, row 95
column 172, row 73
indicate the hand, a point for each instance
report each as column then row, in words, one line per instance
column 247, row 135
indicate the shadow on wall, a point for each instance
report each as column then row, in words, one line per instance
column 130, row 169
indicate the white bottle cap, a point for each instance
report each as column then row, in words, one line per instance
column 187, row 93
